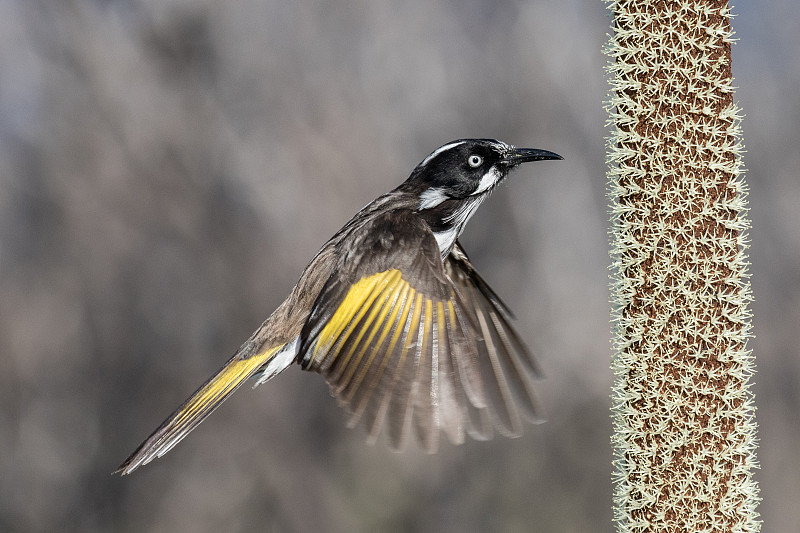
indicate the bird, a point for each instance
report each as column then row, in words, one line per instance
column 392, row 313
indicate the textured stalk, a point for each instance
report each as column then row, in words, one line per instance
column 684, row 426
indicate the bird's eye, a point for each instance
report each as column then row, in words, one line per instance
column 475, row 161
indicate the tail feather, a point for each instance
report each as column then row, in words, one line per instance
column 195, row 409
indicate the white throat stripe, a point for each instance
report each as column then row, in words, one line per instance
column 447, row 238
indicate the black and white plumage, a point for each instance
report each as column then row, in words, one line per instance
column 391, row 312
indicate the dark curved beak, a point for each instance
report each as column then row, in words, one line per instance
column 524, row 155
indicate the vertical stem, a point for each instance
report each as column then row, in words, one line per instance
column 684, row 426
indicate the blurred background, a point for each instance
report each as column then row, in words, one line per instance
column 168, row 167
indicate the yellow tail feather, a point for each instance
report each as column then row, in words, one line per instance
column 194, row 410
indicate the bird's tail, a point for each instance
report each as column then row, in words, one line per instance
column 199, row 405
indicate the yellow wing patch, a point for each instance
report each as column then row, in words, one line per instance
column 356, row 303
column 381, row 351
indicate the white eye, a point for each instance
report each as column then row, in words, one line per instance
column 475, row 161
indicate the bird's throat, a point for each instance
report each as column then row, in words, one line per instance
column 450, row 223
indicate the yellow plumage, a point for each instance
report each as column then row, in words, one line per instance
column 355, row 305
column 199, row 405
column 221, row 385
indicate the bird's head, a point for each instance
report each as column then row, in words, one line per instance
column 454, row 179
column 467, row 168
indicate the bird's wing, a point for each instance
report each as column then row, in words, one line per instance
column 396, row 340
column 501, row 351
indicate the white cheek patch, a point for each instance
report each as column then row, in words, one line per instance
column 488, row 181
column 431, row 198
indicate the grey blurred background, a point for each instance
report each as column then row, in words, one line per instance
column 167, row 168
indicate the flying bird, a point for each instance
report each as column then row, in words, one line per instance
column 395, row 317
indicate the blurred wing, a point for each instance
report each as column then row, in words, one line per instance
column 393, row 338
column 501, row 352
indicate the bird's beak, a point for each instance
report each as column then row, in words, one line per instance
column 515, row 156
